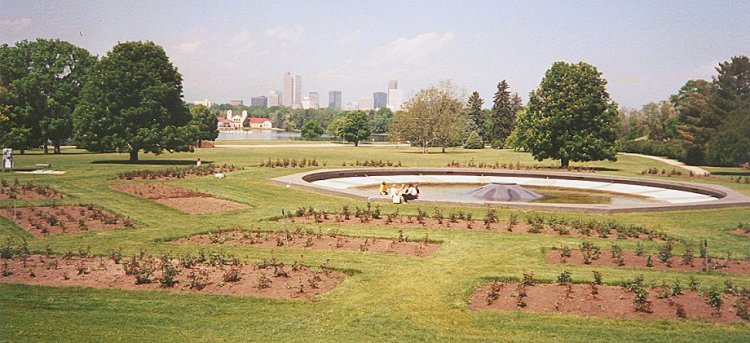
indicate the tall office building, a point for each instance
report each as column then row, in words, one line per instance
column 380, row 99
column 274, row 98
column 334, row 99
column 288, row 93
column 314, row 100
column 297, row 92
column 260, row 101
column 236, row 102
column 394, row 96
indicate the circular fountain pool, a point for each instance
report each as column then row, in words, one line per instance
column 560, row 190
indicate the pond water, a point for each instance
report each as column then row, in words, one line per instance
column 460, row 193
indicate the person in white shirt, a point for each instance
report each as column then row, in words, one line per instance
column 411, row 193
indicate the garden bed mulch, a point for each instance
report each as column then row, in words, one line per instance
column 740, row 232
column 28, row 191
column 310, row 240
column 402, row 222
column 178, row 173
column 49, row 220
column 631, row 260
column 274, row 280
column 181, row 199
column 609, row 301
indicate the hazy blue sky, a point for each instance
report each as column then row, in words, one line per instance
column 235, row 50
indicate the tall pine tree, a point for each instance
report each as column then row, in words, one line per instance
column 475, row 114
column 503, row 115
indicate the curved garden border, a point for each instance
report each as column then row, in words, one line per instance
column 725, row 197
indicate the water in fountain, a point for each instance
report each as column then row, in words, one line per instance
column 505, row 192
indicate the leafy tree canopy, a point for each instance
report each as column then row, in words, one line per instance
column 132, row 101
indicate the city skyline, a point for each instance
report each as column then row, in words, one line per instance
column 645, row 50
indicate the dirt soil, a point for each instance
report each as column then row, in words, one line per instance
column 181, row 199
column 631, row 260
column 101, row 272
column 26, row 192
column 475, row 225
column 740, row 232
column 47, row 220
column 610, row 302
column 301, row 239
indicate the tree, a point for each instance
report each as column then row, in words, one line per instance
column 312, row 129
column 433, row 117
column 570, row 116
column 205, row 122
column 381, row 121
column 696, row 117
column 132, row 101
column 731, row 102
column 353, row 127
column 474, row 141
column 503, row 115
column 475, row 114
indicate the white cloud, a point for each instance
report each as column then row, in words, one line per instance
column 242, row 38
column 413, row 50
column 350, row 37
column 190, row 47
column 17, row 25
column 283, row 33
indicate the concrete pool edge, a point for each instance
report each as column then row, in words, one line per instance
column 725, row 196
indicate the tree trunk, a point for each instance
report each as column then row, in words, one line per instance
column 356, row 143
column 57, row 147
column 564, row 163
column 23, row 151
column 46, row 149
column 134, row 155
column 443, row 146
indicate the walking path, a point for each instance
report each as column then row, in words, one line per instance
column 325, row 145
column 695, row 170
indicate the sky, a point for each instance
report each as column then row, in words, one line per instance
column 238, row 49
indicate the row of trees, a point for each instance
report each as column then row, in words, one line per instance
column 706, row 122
column 127, row 101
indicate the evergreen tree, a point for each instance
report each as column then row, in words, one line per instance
column 503, row 115
column 730, row 145
column 475, row 114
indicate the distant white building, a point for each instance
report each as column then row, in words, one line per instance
column 260, row 123
column 235, row 122
column 395, row 99
column 366, row 103
column 274, row 98
column 203, row 102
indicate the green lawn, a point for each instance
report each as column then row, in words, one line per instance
column 390, row 298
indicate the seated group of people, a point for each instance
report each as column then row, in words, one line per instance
column 399, row 195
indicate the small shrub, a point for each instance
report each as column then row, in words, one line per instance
column 564, row 278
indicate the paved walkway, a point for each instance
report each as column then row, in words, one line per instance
column 695, row 170
column 324, row 145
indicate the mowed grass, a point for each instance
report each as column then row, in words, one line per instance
column 387, row 298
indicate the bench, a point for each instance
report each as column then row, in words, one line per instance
column 43, row 165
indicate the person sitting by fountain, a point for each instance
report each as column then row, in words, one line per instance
column 395, row 195
column 383, row 189
column 411, row 193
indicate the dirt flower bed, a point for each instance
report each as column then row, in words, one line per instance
column 743, row 229
column 401, row 245
column 49, row 220
column 532, row 223
column 181, row 199
column 27, row 191
column 630, row 301
column 630, row 259
column 178, row 173
column 206, row 274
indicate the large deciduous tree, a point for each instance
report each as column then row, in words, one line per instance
column 433, row 117
column 570, row 116
column 353, row 127
column 132, row 101
column 44, row 78
column 205, row 122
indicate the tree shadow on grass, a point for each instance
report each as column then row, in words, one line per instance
column 150, row 162
column 732, row 173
